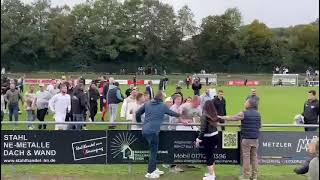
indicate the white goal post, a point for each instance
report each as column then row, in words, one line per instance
column 285, row 79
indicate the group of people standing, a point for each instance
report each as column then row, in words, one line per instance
column 172, row 109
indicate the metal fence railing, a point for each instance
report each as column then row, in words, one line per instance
column 171, row 124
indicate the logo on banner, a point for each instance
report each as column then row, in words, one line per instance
column 303, row 143
column 120, row 145
column 89, row 148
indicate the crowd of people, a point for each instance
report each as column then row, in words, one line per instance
column 75, row 102
column 280, row 70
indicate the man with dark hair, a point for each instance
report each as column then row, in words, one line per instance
column 196, row 86
column 79, row 103
column 220, row 105
column 254, row 96
column 178, row 91
column 12, row 97
column 129, row 90
column 311, row 110
column 154, row 116
column 149, row 89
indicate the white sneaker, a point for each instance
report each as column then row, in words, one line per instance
column 209, row 177
column 30, row 128
column 84, row 128
column 157, row 171
column 152, row 175
column 167, row 166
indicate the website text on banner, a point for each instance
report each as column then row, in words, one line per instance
column 111, row 147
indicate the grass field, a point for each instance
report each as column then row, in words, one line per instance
column 278, row 105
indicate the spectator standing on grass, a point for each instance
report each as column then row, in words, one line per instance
column 12, row 97
column 79, row 103
column 149, row 89
column 140, row 100
column 220, row 105
column 177, row 99
column 93, row 96
column 188, row 81
column 60, row 105
column 128, row 104
column 102, row 89
column 208, row 137
column 114, row 99
column 311, row 110
column 163, row 83
column 154, row 116
column 254, row 96
column 205, row 97
column 129, row 90
column 250, row 131
column 178, row 92
column 105, row 97
column 135, row 80
column 53, row 89
column 42, row 102
column 168, row 102
column 191, row 113
column 196, row 86
column 30, row 106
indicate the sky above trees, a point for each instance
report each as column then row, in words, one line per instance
column 274, row 13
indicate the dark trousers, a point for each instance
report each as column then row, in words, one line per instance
column 69, row 117
column 13, row 111
column 93, row 109
column 222, row 121
column 153, row 140
column 308, row 121
column 210, row 145
column 101, row 103
column 2, row 114
column 41, row 113
column 78, row 118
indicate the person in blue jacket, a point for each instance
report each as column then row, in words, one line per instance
column 154, row 112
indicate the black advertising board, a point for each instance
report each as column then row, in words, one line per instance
column 174, row 147
column 284, row 147
column 109, row 147
column 53, row 147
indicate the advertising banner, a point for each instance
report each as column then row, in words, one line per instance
column 138, row 82
column 242, row 83
column 53, row 147
column 284, row 147
column 109, row 147
column 38, row 81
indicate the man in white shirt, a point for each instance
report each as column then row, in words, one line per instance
column 60, row 104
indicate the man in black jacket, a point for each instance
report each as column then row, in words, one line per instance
column 93, row 95
column 220, row 105
column 196, row 86
column 311, row 110
column 79, row 103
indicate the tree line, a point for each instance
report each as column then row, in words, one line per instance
column 108, row 35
